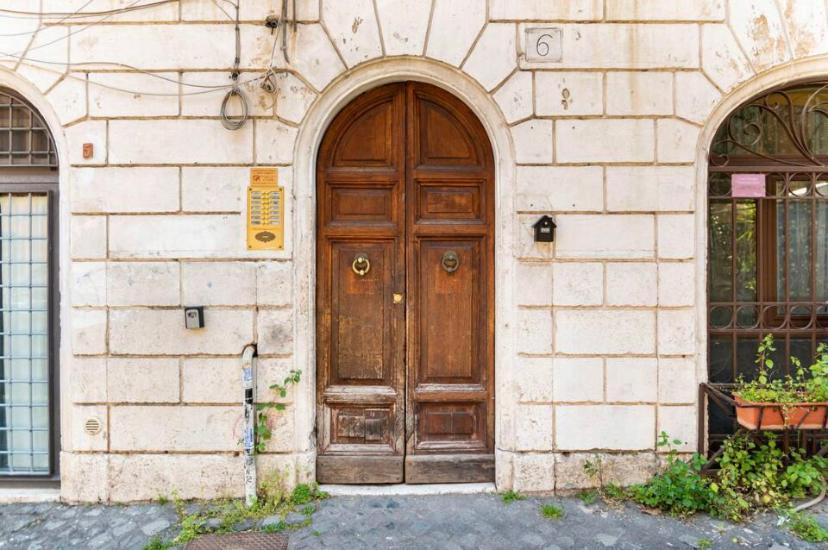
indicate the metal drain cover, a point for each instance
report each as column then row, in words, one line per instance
column 240, row 541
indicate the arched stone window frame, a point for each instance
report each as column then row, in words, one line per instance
column 29, row 175
column 801, row 165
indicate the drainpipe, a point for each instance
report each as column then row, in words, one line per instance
column 249, row 385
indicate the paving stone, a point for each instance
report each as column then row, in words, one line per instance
column 606, row 540
column 212, row 524
column 533, row 540
column 402, row 523
column 100, row 541
column 155, row 527
column 294, row 518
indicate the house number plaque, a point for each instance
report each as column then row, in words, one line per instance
column 543, row 45
column 265, row 211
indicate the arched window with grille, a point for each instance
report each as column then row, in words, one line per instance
column 28, row 295
column 767, row 237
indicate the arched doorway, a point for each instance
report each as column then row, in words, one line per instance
column 767, row 237
column 29, row 441
column 405, row 291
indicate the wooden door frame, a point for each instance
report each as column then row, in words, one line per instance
column 506, row 233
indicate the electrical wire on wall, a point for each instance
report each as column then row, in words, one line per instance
column 231, row 122
column 22, row 14
column 234, row 92
column 269, row 83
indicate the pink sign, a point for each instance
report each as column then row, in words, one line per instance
column 747, row 185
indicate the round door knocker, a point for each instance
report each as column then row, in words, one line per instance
column 450, row 261
column 361, row 265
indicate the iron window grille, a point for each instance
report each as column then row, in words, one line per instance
column 768, row 250
column 29, row 439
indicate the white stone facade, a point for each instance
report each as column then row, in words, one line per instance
column 600, row 338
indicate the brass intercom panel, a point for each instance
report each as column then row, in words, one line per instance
column 265, row 211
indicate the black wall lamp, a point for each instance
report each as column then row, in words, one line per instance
column 544, row 230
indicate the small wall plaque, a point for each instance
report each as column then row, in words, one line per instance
column 265, row 211
column 544, row 44
column 747, row 185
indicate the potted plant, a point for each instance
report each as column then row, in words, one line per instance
column 792, row 402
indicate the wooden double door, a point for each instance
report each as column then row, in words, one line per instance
column 405, row 291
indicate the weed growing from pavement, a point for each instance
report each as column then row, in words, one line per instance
column 806, row 527
column 157, row 544
column 552, row 511
column 511, row 496
column 588, row 497
column 273, row 500
column 704, row 544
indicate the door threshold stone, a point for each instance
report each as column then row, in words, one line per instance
column 403, row 489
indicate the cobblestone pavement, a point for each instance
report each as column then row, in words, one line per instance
column 447, row 522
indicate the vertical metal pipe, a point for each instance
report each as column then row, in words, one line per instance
column 249, row 387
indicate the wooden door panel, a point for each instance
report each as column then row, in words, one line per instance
column 363, row 321
column 362, row 204
column 447, row 313
column 442, row 138
column 369, row 138
column 447, row 201
column 361, row 426
column 450, row 355
column 454, row 426
column 360, row 330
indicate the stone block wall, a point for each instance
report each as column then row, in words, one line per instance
column 599, row 348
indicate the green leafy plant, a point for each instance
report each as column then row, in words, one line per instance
column 511, row 496
column 552, row 511
column 704, row 544
column 273, row 499
column 760, row 475
column 157, row 544
column 588, row 497
column 754, row 473
column 263, row 431
column 806, row 527
column 592, row 468
column 817, row 386
column 789, row 389
column 277, row 527
column 612, row 491
column 680, row 489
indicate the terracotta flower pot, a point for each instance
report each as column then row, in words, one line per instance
column 803, row 416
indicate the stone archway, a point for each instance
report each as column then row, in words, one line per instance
column 330, row 102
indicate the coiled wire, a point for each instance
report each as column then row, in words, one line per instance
column 231, row 122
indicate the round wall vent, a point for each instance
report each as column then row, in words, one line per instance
column 92, row 426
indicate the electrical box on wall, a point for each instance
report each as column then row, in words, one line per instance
column 265, row 211
column 194, row 317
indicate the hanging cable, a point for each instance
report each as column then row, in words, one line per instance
column 280, row 25
column 284, row 32
column 21, row 14
column 86, row 66
column 206, row 90
column 229, row 122
column 73, row 32
column 40, row 23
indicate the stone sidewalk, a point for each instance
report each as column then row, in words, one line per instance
column 446, row 522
